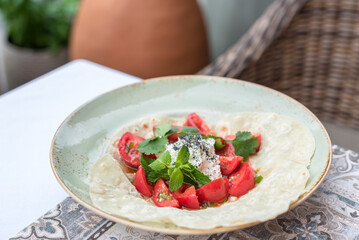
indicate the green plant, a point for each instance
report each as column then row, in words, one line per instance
column 38, row 24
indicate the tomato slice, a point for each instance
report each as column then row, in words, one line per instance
column 179, row 191
column 228, row 150
column 188, row 198
column 215, row 191
column 127, row 147
column 162, row 196
column 228, row 164
column 241, row 180
column 193, row 120
column 259, row 140
column 141, row 184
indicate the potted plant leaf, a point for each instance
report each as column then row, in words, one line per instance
column 37, row 33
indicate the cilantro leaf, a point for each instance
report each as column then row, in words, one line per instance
column 162, row 129
column 152, row 145
column 189, row 131
column 244, row 144
column 183, row 155
column 259, row 179
column 162, row 162
column 176, row 179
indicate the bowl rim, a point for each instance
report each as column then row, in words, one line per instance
column 182, row 230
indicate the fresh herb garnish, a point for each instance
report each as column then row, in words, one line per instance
column 151, row 175
column 164, row 129
column 152, row 145
column 189, row 131
column 162, row 162
column 176, row 179
column 244, row 144
column 259, row 179
column 219, row 142
column 181, row 172
column 199, row 176
column 157, row 143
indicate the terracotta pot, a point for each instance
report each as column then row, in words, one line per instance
column 22, row 64
column 144, row 38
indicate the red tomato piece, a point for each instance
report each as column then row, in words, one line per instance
column 193, row 120
column 228, row 164
column 228, row 150
column 188, row 198
column 179, row 191
column 162, row 196
column 241, row 180
column 127, row 147
column 215, row 191
column 259, row 139
column 141, row 184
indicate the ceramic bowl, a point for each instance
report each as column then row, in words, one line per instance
column 79, row 142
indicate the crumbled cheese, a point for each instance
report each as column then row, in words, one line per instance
column 202, row 154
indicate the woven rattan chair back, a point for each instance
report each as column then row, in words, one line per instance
column 306, row 49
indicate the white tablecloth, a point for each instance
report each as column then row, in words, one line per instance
column 29, row 117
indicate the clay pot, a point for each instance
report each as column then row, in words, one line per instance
column 148, row 38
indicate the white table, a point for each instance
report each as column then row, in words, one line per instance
column 29, row 117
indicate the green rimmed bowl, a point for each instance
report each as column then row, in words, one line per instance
column 79, row 142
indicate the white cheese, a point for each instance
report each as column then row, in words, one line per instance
column 202, row 154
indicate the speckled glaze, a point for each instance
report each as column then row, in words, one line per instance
column 81, row 139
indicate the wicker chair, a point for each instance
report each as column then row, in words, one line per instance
column 308, row 49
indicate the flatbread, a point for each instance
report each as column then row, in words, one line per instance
column 285, row 154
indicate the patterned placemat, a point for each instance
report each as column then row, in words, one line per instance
column 332, row 212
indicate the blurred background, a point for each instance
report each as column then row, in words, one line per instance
column 308, row 49
column 44, row 26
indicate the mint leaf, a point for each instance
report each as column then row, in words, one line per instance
column 259, row 179
column 162, row 162
column 152, row 145
column 162, row 129
column 176, row 180
column 189, row 131
column 200, row 177
column 170, row 171
column 183, row 155
column 145, row 162
column 244, row 144
column 188, row 179
column 153, row 176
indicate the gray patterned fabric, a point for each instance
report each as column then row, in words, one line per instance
column 332, row 212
